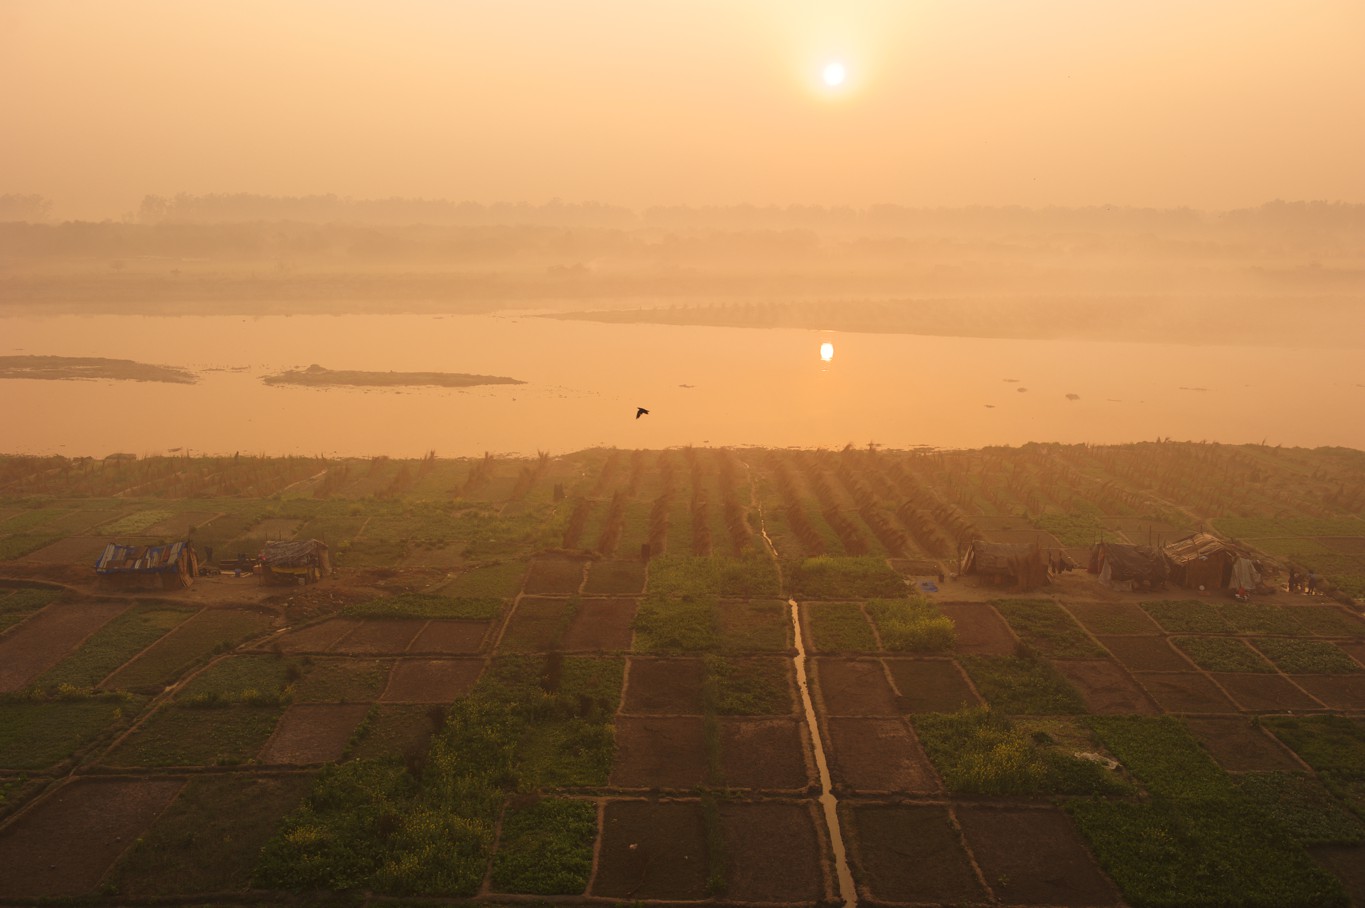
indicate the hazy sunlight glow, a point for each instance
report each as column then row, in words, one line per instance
column 827, row 351
column 834, row 74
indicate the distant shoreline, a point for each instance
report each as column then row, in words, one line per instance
column 316, row 376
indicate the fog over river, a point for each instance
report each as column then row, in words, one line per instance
column 703, row 386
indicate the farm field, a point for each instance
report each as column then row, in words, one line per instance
column 722, row 675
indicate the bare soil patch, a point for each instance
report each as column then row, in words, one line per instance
column 774, row 852
column 1034, row 857
column 397, row 730
column 1355, row 650
column 652, row 850
column 1106, row 688
column 1239, row 746
column 1185, row 692
column 315, row 638
column 380, row 636
column 1147, row 654
column 980, row 629
column 877, row 755
column 1114, row 618
column 667, row 686
column 764, row 753
column 659, row 752
column 754, row 625
column 449, row 636
column 854, row 687
column 431, row 680
column 554, row 577
column 67, row 843
column 1337, row 691
column 74, row 550
column 912, row 853
column 1263, row 692
column 931, row 685
column 1346, row 863
column 536, row 625
column 313, row 733
column 601, row 625
column 615, row 578
column 41, row 641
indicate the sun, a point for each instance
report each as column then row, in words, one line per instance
column 834, row 74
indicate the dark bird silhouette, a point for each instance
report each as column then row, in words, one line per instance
column 640, row 411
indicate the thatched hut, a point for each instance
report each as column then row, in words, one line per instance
column 1124, row 567
column 1201, row 561
column 173, row 565
column 301, row 561
column 1021, row 563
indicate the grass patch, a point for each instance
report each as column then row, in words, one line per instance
column 830, row 577
column 747, row 687
column 1188, row 616
column 1329, row 744
column 209, row 838
column 1307, row 657
column 979, row 752
column 36, row 734
column 733, row 578
column 1048, row 628
column 839, row 627
column 491, row 581
column 912, row 625
column 1222, row 654
column 1302, row 806
column 425, row 605
column 113, row 645
column 176, row 736
column 546, row 848
column 1022, row 686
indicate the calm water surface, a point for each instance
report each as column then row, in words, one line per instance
column 713, row 386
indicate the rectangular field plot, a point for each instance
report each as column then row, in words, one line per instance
column 931, row 686
column 450, row 637
column 191, row 641
column 555, row 577
column 74, row 550
column 397, row 731
column 1113, row 618
column 1106, row 688
column 1185, row 692
column 773, row 852
column 877, row 755
column 837, row 627
column 342, row 679
column 665, row 686
column 185, row 736
column 314, row 638
column 1265, row 693
column 36, row 734
column 1034, row 857
column 380, row 636
column 980, row 631
column 615, row 578
column 114, row 644
column 601, row 625
column 431, row 680
column 536, row 625
column 911, row 853
column 854, row 687
column 312, row 733
column 653, row 850
column 46, row 637
column 1239, row 746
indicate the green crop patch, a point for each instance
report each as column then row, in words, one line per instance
column 1301, row 805
column 1259, row 618
column 830, row 577
column 37, row 733
column 113, row 645
column 979, row 752
column 912, row 625
column 18, row 604
column 838, row 627
column 1307, row 657
column 747, row 687
column 425, row 605
column 1189, row 616
column 676, row 625
column 180, row 736
column 250, row 679
column 1330, row 744
column 341, row 680
column 208, row 631
column 1022, row 686
column 397, row 732
column 546, row 848
column 1164, row 756
column 681, row 576
column 1222, row 654
column 1047, row 627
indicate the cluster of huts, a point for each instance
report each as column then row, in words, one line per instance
column 174, row 565
column 1197, row 562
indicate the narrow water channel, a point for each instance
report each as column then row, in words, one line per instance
column 847, row 892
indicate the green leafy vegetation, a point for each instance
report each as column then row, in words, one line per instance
column 1073, row 529
column 1259, row 618
column 912, row 625
column 424, row 605
column 838, row 627
column 1302, row 806
column 16, row 604
column 1222, row 654
column 830, row 577
column 1334, row 745
column 256, row 680
column 182, row 736
column 546, row 847
column 113, row 645
column 1046, row 626
column 340, row 679
column 1188, row 616
column 1022, row 686
column 676, row 625
column 1307, row 657
column 36, row 733
column 747, row 687
column 753, row 576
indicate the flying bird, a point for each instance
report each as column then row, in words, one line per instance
column 640, row 411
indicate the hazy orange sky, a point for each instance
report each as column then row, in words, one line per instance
column 952, row 102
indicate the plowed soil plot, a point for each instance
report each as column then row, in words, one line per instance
column 536, row 625
column 877, row 755
column 1337, row 691
column 1106, row 689
column 764, row 753
column 601, row 625
column 67, row 843
column 313, row 733
column 315, row 638
column 1034, row 857
column 931, row 685
column 554, row 577
column 431, row 680
column 72, row 550
column 774, row 852
column 615, row 578
column 381, row 636
column 913, row 854
column 1113, row 618
column 1146, row 654
column 659, row 752
column 1356, row 651
column 667, row 686
column 980, row 630
column 1239, row 746
column 652, row 851
column 854, row 687
column 442, row 636
column 1264, row 692
column 40, row 642
column 1185, row 692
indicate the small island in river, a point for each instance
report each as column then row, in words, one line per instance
column 68, row 368
column 319, row 377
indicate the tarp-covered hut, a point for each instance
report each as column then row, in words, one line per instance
column 173, row 565
column 1200, row 561
column 289, row 562
column 1125, row 567
column 1023, row 563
